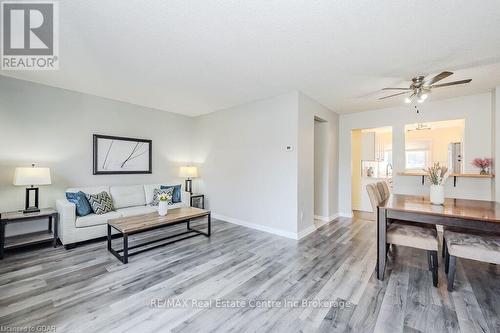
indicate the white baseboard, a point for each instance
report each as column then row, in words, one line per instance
column 283, row 233
column 348, row 215
column 288, row 234
column 309, row 230
column 312, row 228
column 326, row 218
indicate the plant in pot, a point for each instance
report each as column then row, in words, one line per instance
column 437, row 175
column 163, row 204
column 484, row 164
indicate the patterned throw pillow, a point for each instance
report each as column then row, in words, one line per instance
column 177, row 197
column 101, row 203
column 169, row 192
column 80, row 200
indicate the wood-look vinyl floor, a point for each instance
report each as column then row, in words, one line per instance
column 86, row 289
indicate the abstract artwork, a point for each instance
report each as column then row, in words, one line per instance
column 119, row 155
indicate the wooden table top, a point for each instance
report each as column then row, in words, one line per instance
column 19, row 215
column 460, row 208
column 151, row 220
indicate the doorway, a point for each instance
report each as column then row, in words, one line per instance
column 371, row 163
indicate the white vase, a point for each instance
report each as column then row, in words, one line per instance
column 162, row 208
column 437, row 194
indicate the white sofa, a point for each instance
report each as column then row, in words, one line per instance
column 127, row 200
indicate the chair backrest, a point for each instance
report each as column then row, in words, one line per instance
column 383, row 188
column 375, row 197
column 386, row 189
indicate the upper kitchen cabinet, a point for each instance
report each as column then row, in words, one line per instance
column 374, row 144
column 368, row 146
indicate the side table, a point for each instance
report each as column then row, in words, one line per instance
column 11, row 242
column 197, row 200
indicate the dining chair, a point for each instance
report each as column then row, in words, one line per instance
column 469, row 245
column 406, row 234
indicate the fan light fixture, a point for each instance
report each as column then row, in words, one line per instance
column 421, row 87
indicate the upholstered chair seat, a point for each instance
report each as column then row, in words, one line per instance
column 473, row 246
column 469, row 245
column 412, row 236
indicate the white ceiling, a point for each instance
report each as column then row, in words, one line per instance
column 197, row 56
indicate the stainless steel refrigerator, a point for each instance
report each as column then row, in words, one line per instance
column 455, row 157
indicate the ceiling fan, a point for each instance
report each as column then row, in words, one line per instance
column 420, row 88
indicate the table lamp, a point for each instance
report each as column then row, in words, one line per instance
column 31, row 177
column 188, row 172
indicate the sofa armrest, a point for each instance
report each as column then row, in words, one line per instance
column 67, row 221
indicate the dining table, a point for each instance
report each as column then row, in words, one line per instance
column 463, row 213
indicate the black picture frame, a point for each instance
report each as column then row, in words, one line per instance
column 96, row 170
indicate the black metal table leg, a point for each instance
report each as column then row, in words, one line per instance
column 209, row 225
column 54, row 222
column 189, row 225
column 125, row 248
column 50, row 224
column 109, row 237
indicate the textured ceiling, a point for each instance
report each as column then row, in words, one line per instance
column 198, row 56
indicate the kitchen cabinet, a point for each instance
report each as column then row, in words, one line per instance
column 372, row 147
column 368, row 146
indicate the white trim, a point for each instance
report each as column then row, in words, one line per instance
column 348, row 215
column 279, row 232
column 326, row 218
column 310, row 229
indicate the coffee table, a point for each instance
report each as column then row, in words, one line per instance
column 127, row 226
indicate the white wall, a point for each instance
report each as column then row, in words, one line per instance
column 53, row 127
column 308, row 109
column 247, row 174
column 475, row 109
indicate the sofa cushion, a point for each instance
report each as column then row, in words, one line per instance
column 138, row 210
column 149, row 192
column 89, row 189
column 94, row 219
column 128, row 196
column 80, row 200
column 101, row 203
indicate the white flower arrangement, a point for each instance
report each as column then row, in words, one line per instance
column 163, row 197
column 437, row 174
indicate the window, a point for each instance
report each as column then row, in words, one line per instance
column 417, row 159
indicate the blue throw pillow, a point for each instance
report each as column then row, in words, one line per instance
column 82, row 204
column 176, row 198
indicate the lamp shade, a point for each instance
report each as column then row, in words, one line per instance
column 32, row 176
column 188, row 172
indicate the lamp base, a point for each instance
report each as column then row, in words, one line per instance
column 189, row 186
column 30, row 210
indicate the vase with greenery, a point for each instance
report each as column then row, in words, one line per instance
column 437, row 175
column 162, row 204
column 484, row 164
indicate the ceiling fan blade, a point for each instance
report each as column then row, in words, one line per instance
column 396, row 89
column 451, row 83
column 439, row 77
column 401, row 93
